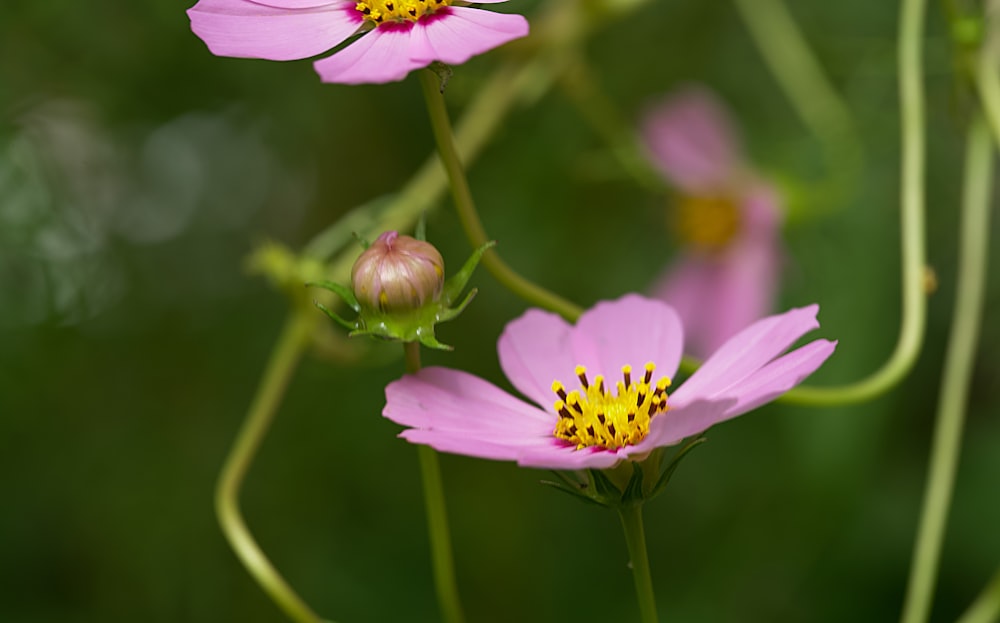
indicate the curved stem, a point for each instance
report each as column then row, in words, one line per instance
column 293, row 341
column 635, row 538
column 912, row 230
column 974, row 245
column 473, row 227
column 442, row 560
column 986, row 608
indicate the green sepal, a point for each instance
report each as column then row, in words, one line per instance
column 633, row 493
column 343, row 292
column 579, row 490
column 361, row 240
column 335, row 316
column 454, row 286
column 604, row 488
column 420, row 230
column 669, row 471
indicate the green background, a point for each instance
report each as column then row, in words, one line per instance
column 137, row 172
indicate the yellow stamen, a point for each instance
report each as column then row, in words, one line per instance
column 594, row 416
column 708, row 222
column 398, row 11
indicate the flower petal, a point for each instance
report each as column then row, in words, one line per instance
column 557, row 455
column 456, row 34
column 692, row 140
column 495, row 449
column 632, row 331
column 759, row 388
column 379, row 56
column 536, row 349
column 745, row 353
column 452, row 401
column 251, row 30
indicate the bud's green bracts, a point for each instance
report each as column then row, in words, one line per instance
column 399, row 291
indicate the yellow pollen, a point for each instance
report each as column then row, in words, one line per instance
column 594, row 416
column 398, row 11
column 708, row 222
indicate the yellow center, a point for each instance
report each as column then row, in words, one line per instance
column 593, row 416
column 398, row 11
column 709, row 222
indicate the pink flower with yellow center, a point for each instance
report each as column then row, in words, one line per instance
column 601, row 388
column 397, row 36
column 727, row 219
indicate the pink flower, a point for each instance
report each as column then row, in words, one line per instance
column 728, row 219
column 398, row 36
column 600, row 388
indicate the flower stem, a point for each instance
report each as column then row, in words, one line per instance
column 288, row 351
column 467, row 214
column 635, row 538
column 986, row 608
column 956, row 378
column 912, row 230
column 987, row 74
column 445, row 583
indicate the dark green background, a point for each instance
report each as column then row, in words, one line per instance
column 137, row 172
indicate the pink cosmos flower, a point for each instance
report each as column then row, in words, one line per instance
column 599, row 387
column 398, row 35
column 727, row 218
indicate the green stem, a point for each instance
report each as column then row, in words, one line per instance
column 635, row 538
column 956, row 378
column 445, row 583
column 294, row 338
column 912, row 230
column 986, row 608
column 987, row 73
column 467, row 214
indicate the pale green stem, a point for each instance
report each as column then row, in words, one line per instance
column 986, row 608
column 443, row 564
column 462, row 196
column 956, row 378
column 802, row 79
column 987, row 70
column 287, row 352
column 912, row 229
column 635, row 538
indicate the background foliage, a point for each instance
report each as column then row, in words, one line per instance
column 137, row 172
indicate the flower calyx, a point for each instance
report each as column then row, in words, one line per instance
column 399, row 291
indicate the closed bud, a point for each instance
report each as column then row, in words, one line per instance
column 398, row 273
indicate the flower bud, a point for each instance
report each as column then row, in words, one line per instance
column 398, row 273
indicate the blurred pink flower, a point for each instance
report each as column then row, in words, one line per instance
column 398, row 36
column 727, row 274
column 606, row 420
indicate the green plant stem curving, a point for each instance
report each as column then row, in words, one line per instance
column 288, row 351
column 957, row 375
column 442, row 560
column 635, row 538
column 462, row 195
column 912, row 230
column 986, row 607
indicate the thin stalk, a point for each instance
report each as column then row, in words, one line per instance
column 635, row 539
column 473, row 226
column 912, row 230
column 987, row 72
column 957, row 375
column 286, row 355
column 986, row 608
column 442, row 560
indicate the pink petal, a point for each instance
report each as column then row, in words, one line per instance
column 632, row 331
column 692, row 140
column 556, row 455
column 303, row 4
column 453, row 401
column 497, row 450
column 251, row 30
column 745, row 353
column 378, row 57
column 536, row 349
column 457, row 34
column 759, row 388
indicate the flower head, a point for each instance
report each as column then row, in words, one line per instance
column 601, row 388
column 398, row 36
column 398, row 273
column 726, row 218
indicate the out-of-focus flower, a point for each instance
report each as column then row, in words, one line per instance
column 398, row 36
column 617, row 353
column 726, row 217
